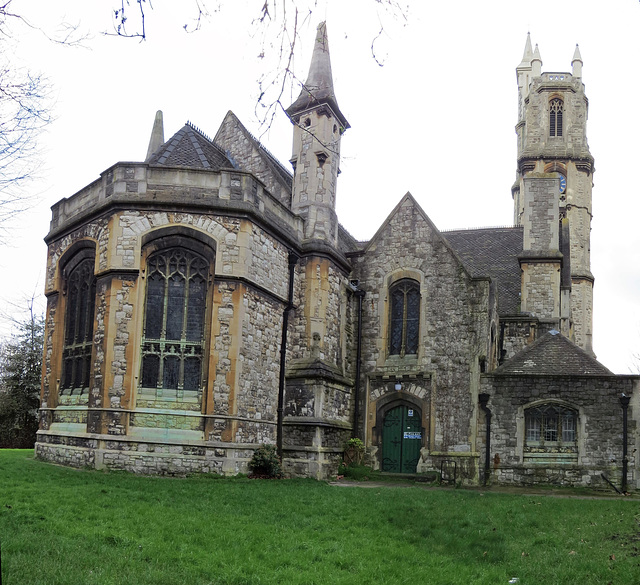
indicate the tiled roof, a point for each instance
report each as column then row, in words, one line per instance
column 279, row 168
column 493, row 252
column 553, row 355
column 190, row 148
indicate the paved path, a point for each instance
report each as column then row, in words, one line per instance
column 520, row 491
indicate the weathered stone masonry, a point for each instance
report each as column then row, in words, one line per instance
column 219, row 305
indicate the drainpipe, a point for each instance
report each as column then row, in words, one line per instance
column 293, row 260
column 624, row 402
column 483, row 399
column 356, row 411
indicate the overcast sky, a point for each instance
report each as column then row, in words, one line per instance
column 437, row 119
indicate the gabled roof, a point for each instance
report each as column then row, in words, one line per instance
column 188, row 147
column 493, row 252
column 409, row 199
column 247, row 153
column 552, row 355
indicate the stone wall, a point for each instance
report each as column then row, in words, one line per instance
column 599, row 429
column 249, row 292
column 244, row 150
column 454, row 323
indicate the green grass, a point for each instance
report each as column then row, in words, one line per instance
column 64, row 526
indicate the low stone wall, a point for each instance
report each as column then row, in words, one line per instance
column 165, row 458
column 568, row 476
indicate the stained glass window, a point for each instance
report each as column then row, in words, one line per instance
column 172, row 345
column 78, row 334
column 405, row 318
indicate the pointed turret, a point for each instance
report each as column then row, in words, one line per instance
column 319, row 86
column 157, row 135
column 576, row 62
column 318, row 127
column 536, row 63
column 523, row 75
column 528, row 54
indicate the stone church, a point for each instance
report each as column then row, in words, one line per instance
column 207, row 300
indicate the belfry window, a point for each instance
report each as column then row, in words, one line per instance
column 405, row 318
column 173, row 341
column 555, row 117
column 78, row 333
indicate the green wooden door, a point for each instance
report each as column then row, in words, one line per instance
column 401, row 439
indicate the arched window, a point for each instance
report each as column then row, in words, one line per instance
column 404, row 318
column 173, row 340
column 78, row 331
column 555, row 117
column 550, row 430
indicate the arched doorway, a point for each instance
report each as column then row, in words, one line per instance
column 401, row 439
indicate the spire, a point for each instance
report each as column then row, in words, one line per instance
column 528, row 53
column 319, row 86
column 157, row 135
column 536, row 63
column 576, row 62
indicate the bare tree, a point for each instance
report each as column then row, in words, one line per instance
column 24, row 113
column 277, row 24
column 130, row 17
column 25, row 107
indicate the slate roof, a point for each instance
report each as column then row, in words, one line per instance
column 318, row 88
column 280, row 169
column 492, row 252
column 188, row 147
column 346, row 242
column 553, row 355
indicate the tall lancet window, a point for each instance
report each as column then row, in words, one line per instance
column 405, row 318
column 173, row 342
column 78, row 329
column 555, row 117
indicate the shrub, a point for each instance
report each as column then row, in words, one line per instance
column 353, row 451
column 265, row 462
column 356, row 472
column 355, row 443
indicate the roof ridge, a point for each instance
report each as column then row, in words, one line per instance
column 272, row 156
column 194, row 127
column 490, row 227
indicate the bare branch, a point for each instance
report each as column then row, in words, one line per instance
column 288, row 17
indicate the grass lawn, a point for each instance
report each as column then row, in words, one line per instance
column 64, row 526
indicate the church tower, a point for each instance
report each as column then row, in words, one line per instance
column 552, row 144
column 318, row 127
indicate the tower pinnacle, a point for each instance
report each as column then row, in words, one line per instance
column 576, row 62
column 536, row 63
column 319, row 86
column 528, row 53
column 318, row 127
column 157, row 135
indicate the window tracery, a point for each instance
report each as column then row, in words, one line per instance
column 555, row 117
column 551, row 430
column 173, row 340
column 78, row 335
